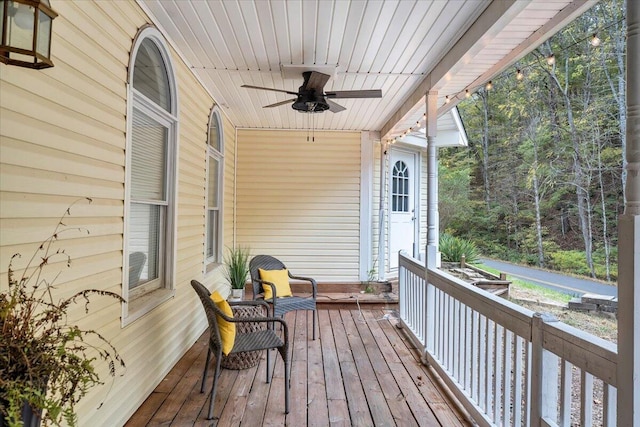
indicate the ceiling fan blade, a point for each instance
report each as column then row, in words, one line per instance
column 271, row 89
column 371, row 93
column 334, row 107
column 317, row 81
column 277, row 104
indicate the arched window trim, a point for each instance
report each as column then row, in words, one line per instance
column 135, row 308
column 217, row 155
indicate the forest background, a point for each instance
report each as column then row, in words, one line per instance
column 542, row 181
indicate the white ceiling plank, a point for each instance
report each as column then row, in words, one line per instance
column 400, row 46
column 354, row 18
column 391, row 21
column 240, row 32
column 323, row 31
column 216, row 43
column 309, row 28
column 366, row 33
column 295, row 31
column 256, row 35
column 421, row 40
column 337, row 31
column 227, row 31
column 267, row 29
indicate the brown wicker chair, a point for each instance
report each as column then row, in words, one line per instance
column 282, row 305
column 263, row 339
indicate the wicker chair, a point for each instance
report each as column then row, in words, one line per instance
column 282, row 305
column 264, row 339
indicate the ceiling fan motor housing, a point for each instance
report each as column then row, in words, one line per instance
column 309, row 102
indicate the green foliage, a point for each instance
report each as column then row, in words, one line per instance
column 569, row 261
column 44, row 360
column 237, row 267
column 453, row 248
column 556, row 131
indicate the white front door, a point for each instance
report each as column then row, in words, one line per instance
column 402, row 215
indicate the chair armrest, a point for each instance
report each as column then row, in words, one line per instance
column 251, row 303
column 272, row 285
column 314, row 285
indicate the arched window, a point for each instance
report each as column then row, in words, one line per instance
column 150, row 186
column 400, row 187
column 215, row 152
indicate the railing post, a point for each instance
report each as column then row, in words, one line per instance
column 629, row 240
column 429, row 305
column 544, row 375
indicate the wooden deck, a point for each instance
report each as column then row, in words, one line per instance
column 361, row 371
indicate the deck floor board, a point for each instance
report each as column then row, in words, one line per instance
column 360, row 371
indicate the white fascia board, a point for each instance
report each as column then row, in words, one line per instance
column 451, row 133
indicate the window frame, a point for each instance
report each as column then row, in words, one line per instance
column 146, row 297
column 398, row 194
column 210, row 262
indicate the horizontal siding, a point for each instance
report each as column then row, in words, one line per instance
column 62, row 138
column 300, row 201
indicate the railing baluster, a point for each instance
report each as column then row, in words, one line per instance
column 609, row 406
column 518, row 382
column 489, row 361
column 586, row 399
column 467, row 349
column 482, row 348
column 566, row 374
column 507, row 377
column 497, row 372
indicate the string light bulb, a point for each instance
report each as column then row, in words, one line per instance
column 447, row 99
column 551, row 59
column 595, row 40
column 467, row 94
column 519, row 75
column 489, row 85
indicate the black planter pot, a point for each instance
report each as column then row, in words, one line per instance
column 28, row 416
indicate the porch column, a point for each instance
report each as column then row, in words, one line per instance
column 629, row 240
column 433, row 258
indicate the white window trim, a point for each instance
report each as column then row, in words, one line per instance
column 133, row 310
column 210, row 262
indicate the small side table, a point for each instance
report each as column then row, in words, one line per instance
column 250, row 358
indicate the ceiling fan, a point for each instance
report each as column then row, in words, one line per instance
column 311, row 97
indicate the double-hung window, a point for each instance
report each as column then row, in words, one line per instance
column 213, row 244
column 150, row 185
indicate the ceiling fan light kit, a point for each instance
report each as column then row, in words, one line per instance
column 311, row 97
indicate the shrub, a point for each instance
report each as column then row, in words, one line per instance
column 452, row 249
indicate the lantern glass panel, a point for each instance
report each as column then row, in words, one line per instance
column 1, row 16
column 44, row 34
column 20, row 28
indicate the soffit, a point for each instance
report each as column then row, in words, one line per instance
column 391, row 45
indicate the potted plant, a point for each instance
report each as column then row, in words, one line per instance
column 237, row 269
column 47, row 364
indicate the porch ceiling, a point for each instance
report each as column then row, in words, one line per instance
column 403, row 47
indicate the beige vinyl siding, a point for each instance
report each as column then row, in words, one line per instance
column 300, row 201
column 63, row 137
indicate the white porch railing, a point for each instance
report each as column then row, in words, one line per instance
column 507, row 365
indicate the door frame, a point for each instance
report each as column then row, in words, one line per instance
column 417, row 174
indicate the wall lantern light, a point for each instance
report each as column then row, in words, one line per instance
column 25, row 33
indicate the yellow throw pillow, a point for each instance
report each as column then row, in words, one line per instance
column 227, row 329
column 280, row 278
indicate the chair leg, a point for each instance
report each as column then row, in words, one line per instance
column 268, row 359
column 216, row 374
column 286, row 387
column 315, row 314
column 206, row 370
